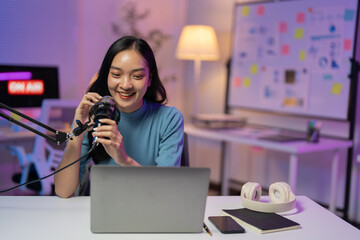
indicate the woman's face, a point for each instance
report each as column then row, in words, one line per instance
column 128, row 80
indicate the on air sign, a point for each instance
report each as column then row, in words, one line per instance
column 27, row 87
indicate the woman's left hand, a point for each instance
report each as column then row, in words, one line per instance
column 109, row 136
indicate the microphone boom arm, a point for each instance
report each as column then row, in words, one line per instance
column 60, row 137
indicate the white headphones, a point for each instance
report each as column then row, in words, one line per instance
column 282, row 198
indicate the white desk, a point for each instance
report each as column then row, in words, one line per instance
column 34, row 217
column 294, row 148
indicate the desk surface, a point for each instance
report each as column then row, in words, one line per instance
column 250, row 136
column 33, row 217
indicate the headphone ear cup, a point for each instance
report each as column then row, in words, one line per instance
column 251, row 191
column 280, row 192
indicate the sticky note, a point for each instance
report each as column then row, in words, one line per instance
column 245, row 11
column 260, row 11
column 289, row 101
column 327, row 77
column 15, row 116
column 283, row 27
column 30, row 113
column 300, row 18
column 302, row 55
column 247, row 82
column 237, row 82
column 347, row 44
column 336, row 88
column 285, row 49
column 349, row 15
column 299, row 33
column 254, row 69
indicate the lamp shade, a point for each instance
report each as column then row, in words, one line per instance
column 197, row 42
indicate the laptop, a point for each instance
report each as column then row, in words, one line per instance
column 148, row 199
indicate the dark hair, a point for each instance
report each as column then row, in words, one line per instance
column 155, row 92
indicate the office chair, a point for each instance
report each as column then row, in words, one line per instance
column 185, row 153
column 84, row 186
column 44, row 158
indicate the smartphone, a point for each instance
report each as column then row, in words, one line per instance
column 226, row 224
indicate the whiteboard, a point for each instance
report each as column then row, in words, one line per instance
column 293, row 57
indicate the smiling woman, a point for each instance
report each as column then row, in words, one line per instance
column 128, row 80
column 148, row 133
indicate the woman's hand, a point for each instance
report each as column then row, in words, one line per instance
column 82, row 111
column 109, row 136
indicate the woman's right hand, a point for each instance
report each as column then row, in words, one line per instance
column 82, row 111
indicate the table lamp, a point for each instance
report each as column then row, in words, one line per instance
column 198, row 43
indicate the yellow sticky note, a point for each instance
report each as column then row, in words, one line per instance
column 336, row 88
column 15, row 116
column 302, row 55
column 245, row 11
column 247, row 82
column 299, row 33
column 254, row 69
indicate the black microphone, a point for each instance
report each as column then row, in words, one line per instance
column 104, row 109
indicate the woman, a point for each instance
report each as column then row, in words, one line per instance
column 148, row 133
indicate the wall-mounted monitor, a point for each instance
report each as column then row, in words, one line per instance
column 27, row 86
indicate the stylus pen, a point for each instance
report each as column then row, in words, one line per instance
column 207, row 229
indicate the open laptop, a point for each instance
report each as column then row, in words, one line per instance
column 148, row 199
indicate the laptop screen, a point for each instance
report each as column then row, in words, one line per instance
column 148, row 199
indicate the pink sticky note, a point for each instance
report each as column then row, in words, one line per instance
column 285, row 49
column 260, row 10
column 283, row 27
column 28, row 112
column 237, row 81
column 347, row 44
column 300, row 17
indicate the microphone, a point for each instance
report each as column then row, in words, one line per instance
column 104, row 109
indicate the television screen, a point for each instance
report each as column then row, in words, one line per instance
column 27, row 86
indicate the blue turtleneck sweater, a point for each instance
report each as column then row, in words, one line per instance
column 152, row 135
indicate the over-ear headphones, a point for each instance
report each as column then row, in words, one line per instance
column 282, row 198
